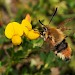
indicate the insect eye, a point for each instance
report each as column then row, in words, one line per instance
column 41, row 32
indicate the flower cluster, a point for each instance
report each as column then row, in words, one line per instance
column 14, row 31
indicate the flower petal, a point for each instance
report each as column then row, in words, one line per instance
column 9, row 32
column 16, row 40
column 18, row 28
column 12, row 29
column 27, row 24
column 33, row 34
column 25, row 30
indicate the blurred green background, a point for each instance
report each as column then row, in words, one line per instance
column 36, row 62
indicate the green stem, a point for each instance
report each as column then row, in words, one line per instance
column 10, row 62
column 8, row 68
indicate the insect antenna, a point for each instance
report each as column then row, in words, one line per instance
column 44, row 28
column 41, row 22
column 53, row 15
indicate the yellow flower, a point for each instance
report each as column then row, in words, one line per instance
column 27, row 28
column 14, row 31
column 26, row 23
column 33, row 34
column 16, row 40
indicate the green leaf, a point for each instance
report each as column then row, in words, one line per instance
column 43, row 56
column 18, row 55
column 26, row 44
column 50, row 58
column 38, row 42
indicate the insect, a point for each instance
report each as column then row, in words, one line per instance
column 57, row 40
